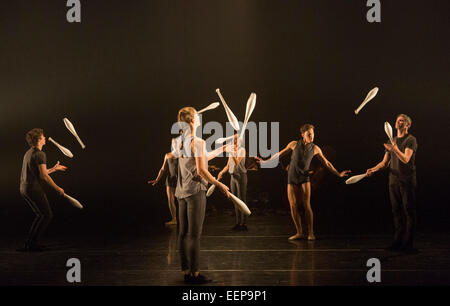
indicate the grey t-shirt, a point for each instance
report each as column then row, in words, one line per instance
column 30, row 167
column 397, row 168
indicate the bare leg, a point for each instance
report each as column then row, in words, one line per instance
column 171, row 200
column 301, row 211
column 306, row 201
column 293, row 191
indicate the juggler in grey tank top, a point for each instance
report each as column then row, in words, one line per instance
column 189, row 182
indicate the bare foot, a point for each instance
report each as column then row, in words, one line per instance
column 311, row 237
column 296, row 237
column 171, row 222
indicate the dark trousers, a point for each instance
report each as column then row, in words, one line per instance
column 238, row 184
column 37, row 200
column 191, row 212
column 403, row 200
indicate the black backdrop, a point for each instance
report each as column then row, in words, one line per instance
column 122, row 74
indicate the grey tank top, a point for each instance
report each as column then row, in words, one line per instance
column 237, row 169
column 301, row 158
column 189, row 182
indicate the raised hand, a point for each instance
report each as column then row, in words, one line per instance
column 59, row 167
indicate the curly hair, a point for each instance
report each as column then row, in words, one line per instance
column 33, row 136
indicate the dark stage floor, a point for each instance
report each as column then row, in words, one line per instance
column 261, row 256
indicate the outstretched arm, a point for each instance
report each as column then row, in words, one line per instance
column 288, row 148
column 163, row 169
column 213, row 154
column 381, row 165
column 328, row 164
column 57, row 167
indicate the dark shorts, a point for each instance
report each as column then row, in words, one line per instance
column 171, row 181
column 295, row 178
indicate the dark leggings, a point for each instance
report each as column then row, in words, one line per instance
column 238, row 185
column 403, row 201
column 191, row 212
column 37, row 200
